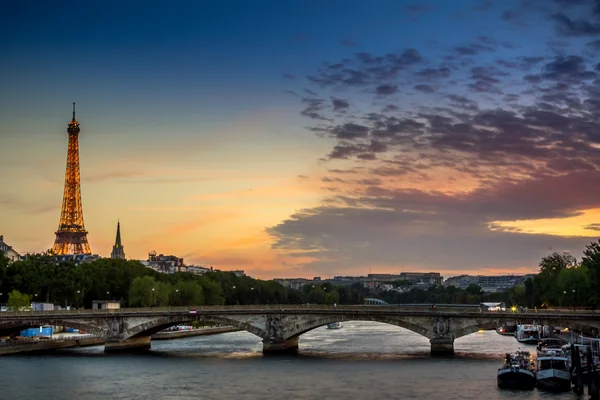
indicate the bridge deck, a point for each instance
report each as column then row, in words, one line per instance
column 304, row 309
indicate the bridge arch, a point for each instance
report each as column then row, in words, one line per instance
column 159, row 324
column 477, row 326
column 10, row 329
column 309, row 325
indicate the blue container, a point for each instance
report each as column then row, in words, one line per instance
column 32, row 332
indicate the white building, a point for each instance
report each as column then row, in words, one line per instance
column 8, row 251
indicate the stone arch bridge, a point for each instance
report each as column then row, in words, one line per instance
column 280, row 326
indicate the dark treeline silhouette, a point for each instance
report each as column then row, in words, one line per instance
column 562, row 281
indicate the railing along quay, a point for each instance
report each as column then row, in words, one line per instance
column 295, row 309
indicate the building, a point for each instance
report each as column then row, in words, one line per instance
column 165, row 264
column 461, row 281
column 197, row 270
column 372, row 281
column 118, row 251
column 422, row 278
column 419, row 279
column 106, row 304
column 489, row 283
column 293, row 283
column 8, row 251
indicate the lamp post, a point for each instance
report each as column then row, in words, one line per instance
column 574, row 302
column 152, row 300
column 78, row 299
column 313, row 290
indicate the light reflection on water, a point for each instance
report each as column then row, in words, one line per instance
column 363, row 360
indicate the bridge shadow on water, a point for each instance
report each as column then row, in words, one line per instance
column 248, row 354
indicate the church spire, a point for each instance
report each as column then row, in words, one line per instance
column 118, row 240
column 118, row 251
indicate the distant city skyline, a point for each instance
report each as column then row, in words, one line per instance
column 305, row 138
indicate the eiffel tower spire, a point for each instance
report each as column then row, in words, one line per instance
column 71, row 236
column 118, row 251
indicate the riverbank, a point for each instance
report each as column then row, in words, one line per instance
column 67, row 340
column 193, row 332
column 46, row 345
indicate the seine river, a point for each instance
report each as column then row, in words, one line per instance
column 362, row 360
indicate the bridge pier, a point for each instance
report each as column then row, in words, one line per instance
column 442, row 346
column 280, row 346
column 134, row 344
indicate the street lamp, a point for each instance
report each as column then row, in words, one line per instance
column 152, row 301
column 574, row 302
column 313, row 290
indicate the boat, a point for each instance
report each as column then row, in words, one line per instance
column 547, row 344
column 506, row 330
column 527, row 334
column 517, row 372
column 334, row 325
column 553, row 371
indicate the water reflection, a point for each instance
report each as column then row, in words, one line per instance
column 362, row 360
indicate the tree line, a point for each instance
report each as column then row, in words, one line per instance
column 40, row 278
column 562, row 281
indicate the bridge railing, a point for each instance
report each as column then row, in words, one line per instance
column 291, row 307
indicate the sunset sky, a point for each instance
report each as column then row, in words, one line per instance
column 308, row 138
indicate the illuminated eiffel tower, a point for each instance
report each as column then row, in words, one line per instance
column 71, row 236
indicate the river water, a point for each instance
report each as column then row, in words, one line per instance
column 363, row 360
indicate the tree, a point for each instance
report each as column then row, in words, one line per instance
column 147, row 292
column 591, row 260
column 18, row 301
column 556, row 262
column 574, row 287
column 213, row 294
column 188, row 293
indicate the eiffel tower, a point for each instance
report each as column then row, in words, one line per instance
column 71, row 236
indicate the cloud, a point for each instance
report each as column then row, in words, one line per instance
column 492, row 136
column 472, row 49
column 364, row 69
column 340, row 104
column 593, row 227
column 349, row 238
column 569, row 27
column 313, row 108
column 424, row 88
column 386, row 90
column 428, row 228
